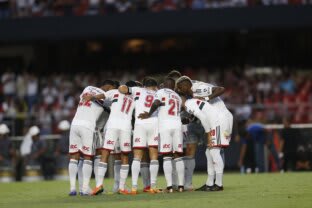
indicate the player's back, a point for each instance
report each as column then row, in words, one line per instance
column 88, row 112
column 207, row 113
column 169, row 111
column 144, row 99
column 121, row 110
column 202, row 89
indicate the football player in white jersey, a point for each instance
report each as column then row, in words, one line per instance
column 145, row 134
column 99, row 137
column 170, row 129
column 81, row 138
column 118, row 129
column 210, row 93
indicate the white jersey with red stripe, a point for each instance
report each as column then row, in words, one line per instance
column 143, row 99
column 169, row 111
column 88, row 112
column 202, row 89
column 121, row 110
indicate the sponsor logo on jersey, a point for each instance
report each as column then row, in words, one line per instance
column 110, row 142
column 126, row 144
column 179, row 145
column 156, row 138
column 166, row 146
column 73, row 146
column 86, row 148
column 137, row 140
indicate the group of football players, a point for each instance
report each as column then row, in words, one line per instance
column 148, row 119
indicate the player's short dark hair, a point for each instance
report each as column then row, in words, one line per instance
column 174, row 73
column 131, row 83
column 108, row 82
column 150, row 82
column 182, row 79
column 139, row 84
column 116, row 84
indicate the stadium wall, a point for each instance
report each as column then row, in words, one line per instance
column 153, row 24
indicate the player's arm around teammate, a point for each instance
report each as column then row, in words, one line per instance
column 145, row 131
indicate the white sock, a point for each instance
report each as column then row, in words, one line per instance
column 95, row 167
column 124, row 170
column 145, row 174
column 174, row 174
column 219, row 177
column 210, row 169
column 168, row 170
column 180, row 170
column 210, row 180
column 154, row 167
column 72, row 170
column 86, row 172
column 117, row 166
column 101, row 173
column 218, row 165
column 80, row 173
column 135, row 171
column 189, row 163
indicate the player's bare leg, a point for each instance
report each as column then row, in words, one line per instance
column 189, row 162
column 154, row 167
column 144, row 170
column 135, row 168
column 178, row 157
column 124, row 171
column 117, row 166
column 101, row 171
column 73, row 171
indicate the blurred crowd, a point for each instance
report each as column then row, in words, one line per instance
column 35, row 8
column 27, row 98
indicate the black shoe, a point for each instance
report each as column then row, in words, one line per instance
column 217, row 188
column 202, row 188
column 169, row 189
column 209, row 188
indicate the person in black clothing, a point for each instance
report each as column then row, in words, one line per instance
column 288, row 145
column 62, row 147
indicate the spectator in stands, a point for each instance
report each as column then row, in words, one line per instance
column 288, row 85
column 289, row 140
column 7, row 151
column 123, row 6
column 9, row 83
column 31, row 90
column 62, row 147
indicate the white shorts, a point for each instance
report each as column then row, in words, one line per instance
column 221, row 134
column 81, row 139
column 145, row 135
column 171, row 141
column 115, row 136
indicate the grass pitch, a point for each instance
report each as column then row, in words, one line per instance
column 250, row 191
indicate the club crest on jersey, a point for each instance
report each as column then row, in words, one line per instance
column 166, row 146
column 137, row 140
column 110, row 142
column 156, row 138
column 73, row 146
column 179, row 145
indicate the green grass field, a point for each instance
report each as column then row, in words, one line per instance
column 252, row 191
